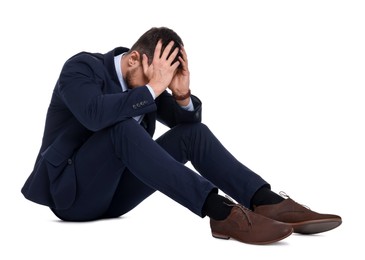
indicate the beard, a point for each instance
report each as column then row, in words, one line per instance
column 130, row 75
column 135, row 78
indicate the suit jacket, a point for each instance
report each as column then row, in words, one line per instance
column 88, row 98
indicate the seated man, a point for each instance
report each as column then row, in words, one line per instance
column 98, row 159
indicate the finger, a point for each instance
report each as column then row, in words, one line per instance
column 167, row 50
column 183, row 63
column 157, row 53
column 183, row 60
column 145, row 63
column 173, row 55
column 175, row 65
column 184, row 55
column 183, row 52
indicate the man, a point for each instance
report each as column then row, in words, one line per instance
column 98, row 158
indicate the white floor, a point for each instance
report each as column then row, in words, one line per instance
column 159, row 229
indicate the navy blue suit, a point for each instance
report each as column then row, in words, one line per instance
column 96, row 161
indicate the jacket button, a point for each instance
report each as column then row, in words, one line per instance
column 69, row 161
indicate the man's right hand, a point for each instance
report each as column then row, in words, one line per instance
column 161, row 71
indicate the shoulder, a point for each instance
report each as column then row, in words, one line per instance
column 86, row 57
column 84, row 62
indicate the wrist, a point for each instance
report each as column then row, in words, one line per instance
column 157, row 88
column 181, row 96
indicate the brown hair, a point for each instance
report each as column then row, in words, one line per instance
column 147, row 42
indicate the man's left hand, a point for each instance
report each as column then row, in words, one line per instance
column 181, row 81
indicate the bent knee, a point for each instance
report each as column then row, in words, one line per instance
column 199, row 127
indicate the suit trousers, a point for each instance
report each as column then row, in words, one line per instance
column 118, row 167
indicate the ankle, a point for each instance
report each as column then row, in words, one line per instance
column 216, row 206
column 265, row 196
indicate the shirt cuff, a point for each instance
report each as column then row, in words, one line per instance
column 152, row 92
column 189, row 107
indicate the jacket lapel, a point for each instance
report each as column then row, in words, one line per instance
column 109, row 64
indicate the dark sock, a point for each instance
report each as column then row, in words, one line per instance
column 264, row 196
column 215, row 206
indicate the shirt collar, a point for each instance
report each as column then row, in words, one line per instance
column 118, row 69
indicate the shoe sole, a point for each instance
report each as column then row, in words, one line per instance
column 315, row 226
column 225, row 237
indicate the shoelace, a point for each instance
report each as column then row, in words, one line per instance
column 242, row 208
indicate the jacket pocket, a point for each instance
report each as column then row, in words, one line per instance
column 61, row 173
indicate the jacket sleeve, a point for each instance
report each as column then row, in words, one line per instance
column 171, row 114
column 82, row 85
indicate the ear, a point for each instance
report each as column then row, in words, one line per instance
column 134, row 59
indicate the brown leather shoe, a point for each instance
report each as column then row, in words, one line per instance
column 248, row 227
column 302, row 219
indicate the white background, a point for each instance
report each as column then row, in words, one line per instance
column 282, row 87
